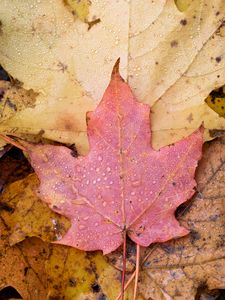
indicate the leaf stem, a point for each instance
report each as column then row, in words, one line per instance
column 137, row 271
column 124, row 263
column 12, row 142
column 126, row 285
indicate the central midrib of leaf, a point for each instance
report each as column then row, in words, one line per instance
column 121, row 155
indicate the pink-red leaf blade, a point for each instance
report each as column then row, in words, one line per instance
column 122, row 184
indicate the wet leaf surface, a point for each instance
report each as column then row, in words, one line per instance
column 122, row 187
column 172, row 57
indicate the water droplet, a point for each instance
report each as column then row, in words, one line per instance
column 81, row 227
column 97, row 169
column 132, row 193
column 78, row 169
column 108, row 169
column 87, row 182
column 136, row 183
column 105, row 178
column 94, row 181
column 98, row 179
column 104, row 204
column 96, row 224
column 86, row 218
column 99, row 158
column 111, row 182
column 154, row 182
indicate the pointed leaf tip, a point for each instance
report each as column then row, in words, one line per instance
column 116, row 67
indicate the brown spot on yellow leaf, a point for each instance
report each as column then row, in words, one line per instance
column 92, row 23
column 174, row 43
column 190, row 118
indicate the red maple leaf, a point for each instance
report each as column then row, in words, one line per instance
column 123, row 186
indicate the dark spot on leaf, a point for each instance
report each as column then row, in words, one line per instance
column 173, row 183
column 95, row 287
column 55, row 286
column 92, row 23
column 213, row 218
column 156, row 62
column 26, row 270
column 218, row 59
column 47, row 228
column 174, row 44
column 11, row 104
column 177, row 293
column 72, row 282
column 87, row 119
column 2, row 92
column 74, row 152
column 218, row 93
column 190, row 118
column 195, row 236
column 217, row 13
column 56, row 267
column 183, row 22
column 55, row 207
column 169, row 249
column 102, row 297
column 6, row 207
column 62, row 67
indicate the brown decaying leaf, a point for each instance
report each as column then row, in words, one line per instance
column 21, row 266
column 26, row 215
column 13, row 99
